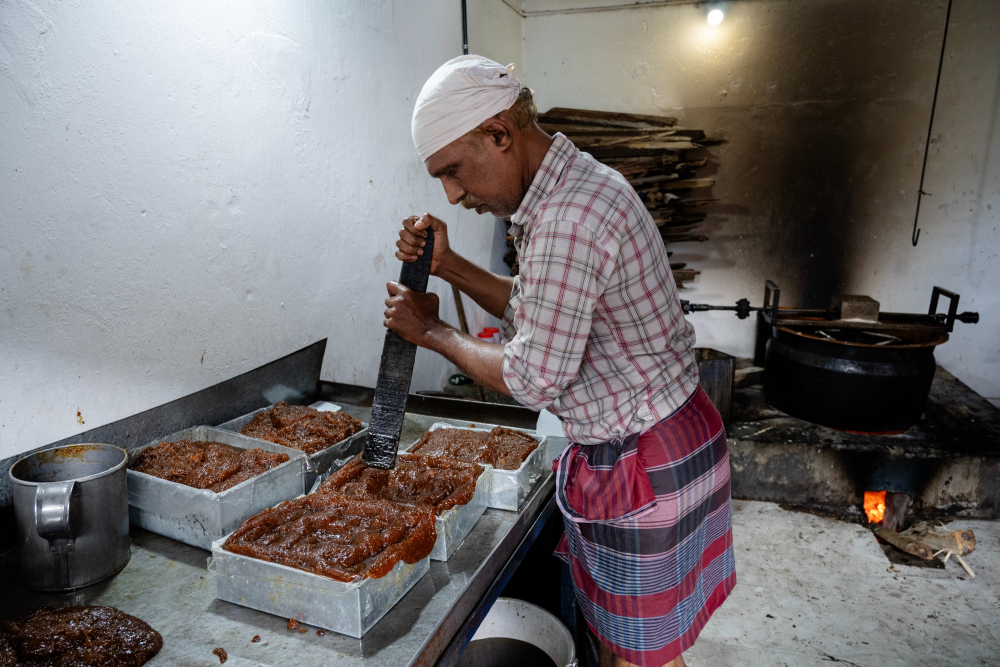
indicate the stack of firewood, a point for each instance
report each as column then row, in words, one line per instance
column 656, row 157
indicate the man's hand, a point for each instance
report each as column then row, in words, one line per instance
column 411, row 240
column 413, row 316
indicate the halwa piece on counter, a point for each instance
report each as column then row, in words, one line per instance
column 205, row 465
column 70, row 636
column 336, row 536
column 502, row 448
column 302, row 427
column 431, row 481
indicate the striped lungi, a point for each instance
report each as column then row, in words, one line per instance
column 648, row 532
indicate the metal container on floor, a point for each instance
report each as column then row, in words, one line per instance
column 71, row 509
column 516, row 633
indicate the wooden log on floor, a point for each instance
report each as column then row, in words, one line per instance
column 961, row 542
column 927, row 542
column 910, row 545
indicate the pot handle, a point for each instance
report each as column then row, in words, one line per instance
column 52, row 510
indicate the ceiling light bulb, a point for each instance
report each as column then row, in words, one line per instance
column 715, row 17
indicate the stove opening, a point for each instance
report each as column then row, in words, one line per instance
column 874, row 505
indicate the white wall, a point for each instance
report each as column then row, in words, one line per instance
column 959, row 239
column 189, row 190
column 824, row 105
column 494, row 31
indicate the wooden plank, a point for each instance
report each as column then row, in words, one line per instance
column 687, row 184
column 683, row 238
column 610, row 118
column 677, row 148
column 583, row 133
column 676, row 222
column 650, row 180
column 696, row 202
column 658, row 142
column 685, row 274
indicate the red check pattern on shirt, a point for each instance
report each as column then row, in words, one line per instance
column 594, row 329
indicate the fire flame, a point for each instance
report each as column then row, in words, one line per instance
column 875, row 505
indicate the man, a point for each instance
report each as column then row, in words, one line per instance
column 593, row 331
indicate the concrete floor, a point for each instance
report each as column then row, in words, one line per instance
column 816, row 591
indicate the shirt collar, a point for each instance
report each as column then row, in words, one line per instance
column 558, row 156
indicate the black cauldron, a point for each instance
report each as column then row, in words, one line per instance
column 851, row 380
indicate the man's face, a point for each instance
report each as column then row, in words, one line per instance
column 479, row 174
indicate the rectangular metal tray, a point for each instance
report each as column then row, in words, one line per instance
column 348, row 608
column 199, row 516
column 509, row 488
column 321, row 461
column 454, row 525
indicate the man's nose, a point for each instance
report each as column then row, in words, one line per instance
column 453, row 190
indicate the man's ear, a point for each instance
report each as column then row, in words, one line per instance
column 500, row 131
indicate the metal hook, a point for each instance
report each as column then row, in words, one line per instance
column 927, row 147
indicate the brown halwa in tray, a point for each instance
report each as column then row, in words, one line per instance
column 436, row 482
column 345, row 539
column 205, row 465
column 302, row 427
column 502, row 448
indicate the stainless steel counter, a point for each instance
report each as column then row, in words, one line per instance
column 167, row 585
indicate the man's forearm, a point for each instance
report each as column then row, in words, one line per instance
column 487, row 289
column 481, row 361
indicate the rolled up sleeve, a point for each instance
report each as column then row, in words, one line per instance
column 563, row 274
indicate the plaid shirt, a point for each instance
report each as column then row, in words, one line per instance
column 594, row 329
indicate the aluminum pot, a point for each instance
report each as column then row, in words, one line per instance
column 71, row 508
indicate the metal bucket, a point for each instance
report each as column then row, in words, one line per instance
column 512, row 631
column 717, row 371
column 71, row 509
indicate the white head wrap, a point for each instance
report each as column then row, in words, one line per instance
column 458, row 98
